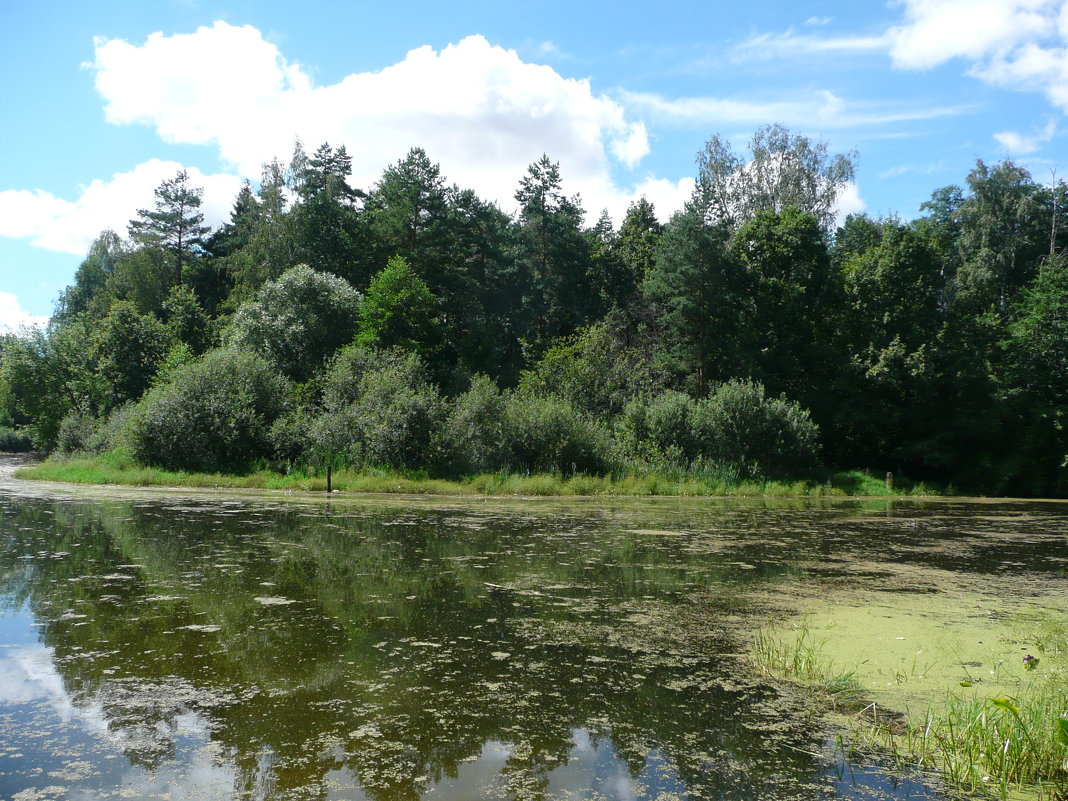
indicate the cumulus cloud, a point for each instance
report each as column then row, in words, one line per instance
column 70, row 226
column 935, row 31
column 1018, row 44
column 12, row 318
column 478, row 109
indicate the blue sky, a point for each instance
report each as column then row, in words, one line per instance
column 102, row 101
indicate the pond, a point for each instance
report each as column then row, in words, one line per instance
column 211, row 646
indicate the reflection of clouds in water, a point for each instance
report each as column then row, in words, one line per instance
column 593, row 769
column 28, row 677
column 27, row 674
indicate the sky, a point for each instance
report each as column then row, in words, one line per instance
column 101, row 102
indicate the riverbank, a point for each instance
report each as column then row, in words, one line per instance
column 110, row 470
column 965, row 677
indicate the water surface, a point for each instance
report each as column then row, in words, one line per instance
column 202, row 646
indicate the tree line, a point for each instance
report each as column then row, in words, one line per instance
column 413, row 324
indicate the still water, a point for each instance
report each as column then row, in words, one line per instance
column 163, row 646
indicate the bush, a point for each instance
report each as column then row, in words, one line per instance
column 116, row 431
column 13, row 441
column 660, row 428
column 593, row 371
column 761, row 436
column 737, row 427
column 75, row 431
column 549, row 434
column 380, row 409
column 474, row 430
column 214, row 415
column 298, row 321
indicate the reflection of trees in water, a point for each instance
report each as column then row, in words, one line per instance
column 411, row 641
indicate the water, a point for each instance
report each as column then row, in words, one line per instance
column 165, row 646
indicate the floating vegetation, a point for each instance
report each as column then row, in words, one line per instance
column 395, row 648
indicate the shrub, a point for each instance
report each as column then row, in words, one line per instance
column 213, row 415
column 379, row 409
column 13, row 441
column 662, row 427
column 115, row 431
column 75, row 431
column 297, row 321
column 759, row 435
column 549, row 434
column 593, row 371
column 474, row 430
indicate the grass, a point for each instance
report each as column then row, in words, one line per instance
column 1002, row 747
column 115, row 467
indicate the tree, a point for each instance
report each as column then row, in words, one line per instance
column 636, row 245
column 129, row 348
column 89, row 291
column 47, row 374
column 554, row 255
column 1004, row 233
column 297, row 321
column 782, row 169
column 325, row 219
column 400, row 311
column 790, row 301
column 702, row 299
column 175, row 225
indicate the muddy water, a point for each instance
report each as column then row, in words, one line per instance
column 157, row 645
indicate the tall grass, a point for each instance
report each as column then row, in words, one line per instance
column 119, row 467
column 994, row 747
column 988, row 746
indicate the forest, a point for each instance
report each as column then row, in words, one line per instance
column 414, row 326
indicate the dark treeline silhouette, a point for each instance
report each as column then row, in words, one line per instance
column 414, row 325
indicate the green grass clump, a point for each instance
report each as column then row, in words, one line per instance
column 119, row 467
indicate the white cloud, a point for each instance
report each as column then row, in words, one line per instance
column 849, row 202
column 71, row 226
column 1018, row 44
column 1022, row 144
column 12, row 318
column 479, row 110
column 935, row 31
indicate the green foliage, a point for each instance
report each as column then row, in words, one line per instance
column 702, row 297
column 298, row 321
column 932, row 348
column 661, row 428
column 474, row 432
column 737, row 426
column 592, row 371
column 49, row 373
column 214, row 414
column 760, row 435
column 186, row 320
column 13, row 441
column 379, row 409
column 554, row 257
column 399, row 311
column 76, row 431
column 549, row 434
column 129, row 349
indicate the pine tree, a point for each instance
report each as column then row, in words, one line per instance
column 175, row 226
